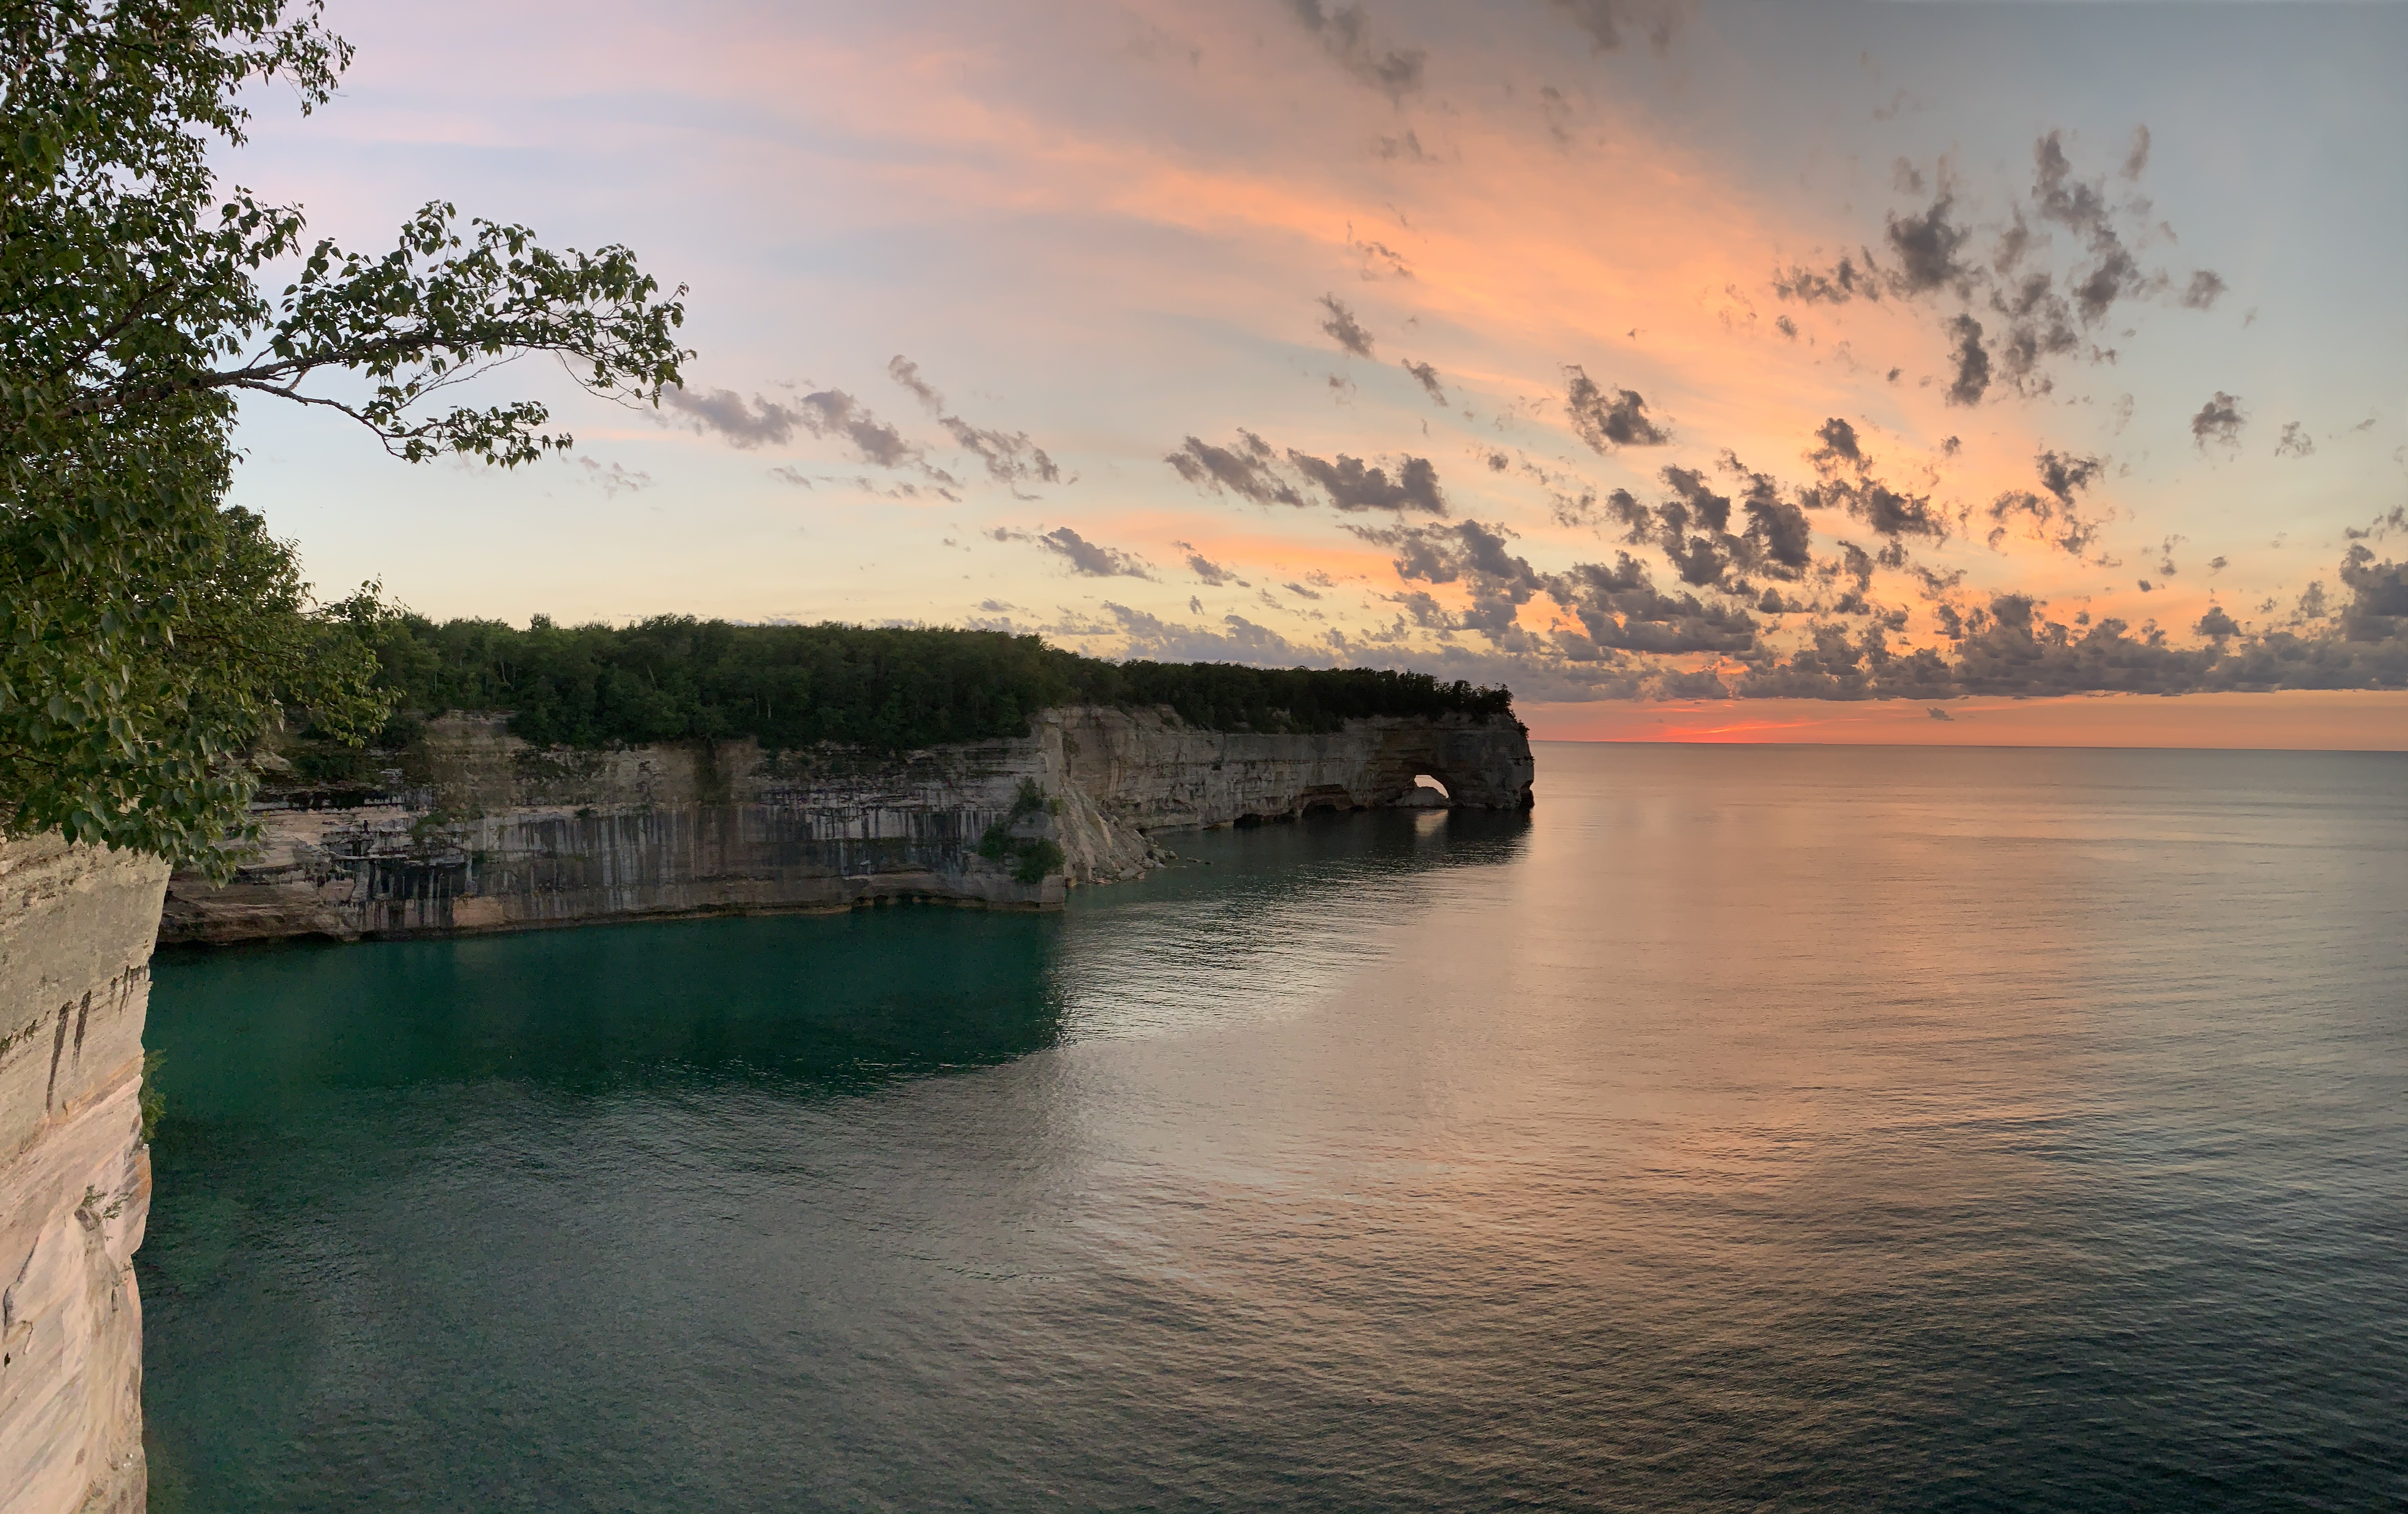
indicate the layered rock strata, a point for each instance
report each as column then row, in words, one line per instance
column 76, row 926
column 480, row 832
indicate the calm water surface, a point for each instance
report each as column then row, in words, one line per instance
column 1746, row 1128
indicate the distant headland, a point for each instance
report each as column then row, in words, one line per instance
column 677, row 767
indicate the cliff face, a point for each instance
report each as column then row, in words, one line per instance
column 482, row 832
column 485, row 833
column 76, row 926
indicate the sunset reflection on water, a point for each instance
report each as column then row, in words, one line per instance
column 1821, row 1129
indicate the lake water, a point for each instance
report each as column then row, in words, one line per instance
column 1745, row 1128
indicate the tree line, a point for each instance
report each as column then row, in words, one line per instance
column 888, row 688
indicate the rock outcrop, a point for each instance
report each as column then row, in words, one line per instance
column 480, row 832
column 76, row 928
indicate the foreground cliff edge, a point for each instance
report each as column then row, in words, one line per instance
column 479, row 831
column 76, row 926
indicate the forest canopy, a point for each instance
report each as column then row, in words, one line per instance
column 677, row 678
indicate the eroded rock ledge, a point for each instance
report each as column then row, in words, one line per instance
column 481, row 831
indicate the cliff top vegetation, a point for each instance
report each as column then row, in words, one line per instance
column 150, row 634
column 674, row 679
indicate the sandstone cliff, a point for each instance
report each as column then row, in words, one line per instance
column 479, row 830
column 76, row 926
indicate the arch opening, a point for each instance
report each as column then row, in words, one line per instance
column 1429, row 792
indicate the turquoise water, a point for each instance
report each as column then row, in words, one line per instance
column 1818, row 1129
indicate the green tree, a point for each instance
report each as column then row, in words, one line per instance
column 673, row 678
column 148, row 635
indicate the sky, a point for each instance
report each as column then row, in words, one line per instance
column 1695, row 369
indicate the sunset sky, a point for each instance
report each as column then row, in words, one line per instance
column 1614, row 349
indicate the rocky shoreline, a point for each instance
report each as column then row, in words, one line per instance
column 476, row 830
column 473, row 830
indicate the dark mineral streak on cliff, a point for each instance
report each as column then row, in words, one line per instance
column 481, row 831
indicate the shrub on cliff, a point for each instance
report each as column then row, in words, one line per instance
column 675, row 678
column 148, row 634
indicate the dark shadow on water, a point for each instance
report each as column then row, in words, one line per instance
column 286, row 1061
column 827, row 1004
column 821, row 1003
column 371, row 1151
